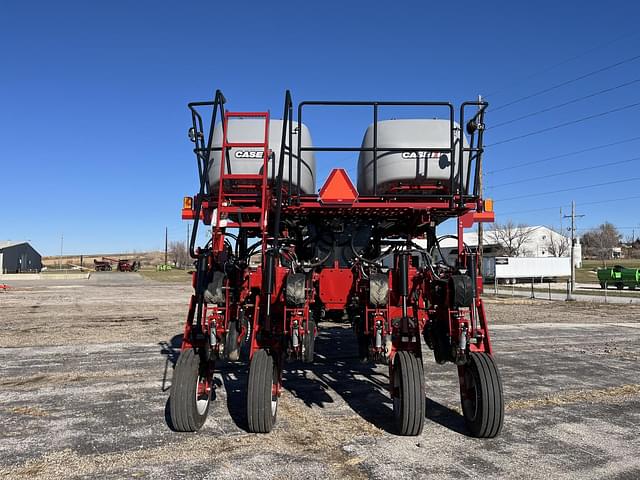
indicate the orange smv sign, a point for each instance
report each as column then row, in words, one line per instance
column 338, row 188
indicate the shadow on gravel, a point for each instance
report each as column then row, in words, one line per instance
column 338, row 368
column 234, row 377
column 171, row 350
column 443, row 415
column 167, row 415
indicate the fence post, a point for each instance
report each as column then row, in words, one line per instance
column 533, row 295
column 569, row 297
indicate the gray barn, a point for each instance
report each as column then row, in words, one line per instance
column 17, row 257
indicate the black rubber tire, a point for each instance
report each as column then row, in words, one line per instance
column 619, row 286
column 183, row 406
column 262, row 404
column 231, row 345
column 363, row 347
column 309, row 343
column 215, row 290
column 408, row 396
column 482, row 402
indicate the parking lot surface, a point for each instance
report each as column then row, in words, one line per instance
column 85, row 369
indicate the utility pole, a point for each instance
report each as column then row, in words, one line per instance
column 480, row 224
column 61, row 244
column 166, row 243
column 573, row 217
column 186, row 246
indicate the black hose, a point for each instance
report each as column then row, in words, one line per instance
column 319, row 262
column 250, row 250
column 375, row 261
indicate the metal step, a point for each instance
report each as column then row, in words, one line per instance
column 244, row 145
column 242, row 176
column 231, row 224
column 240, row 209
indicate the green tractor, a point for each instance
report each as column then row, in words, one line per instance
column 619, row 276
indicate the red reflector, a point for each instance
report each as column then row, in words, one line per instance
column 338, row 188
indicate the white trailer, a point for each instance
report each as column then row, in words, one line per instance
column 514, row 268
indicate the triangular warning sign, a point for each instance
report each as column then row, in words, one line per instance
column 338, row 188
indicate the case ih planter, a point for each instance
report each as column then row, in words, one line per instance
column 283, row 257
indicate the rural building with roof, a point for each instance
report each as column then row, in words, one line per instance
column 19, row 257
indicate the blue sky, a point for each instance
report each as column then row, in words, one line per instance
column 93, row 121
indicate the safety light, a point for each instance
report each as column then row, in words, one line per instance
column 187, row 203
column 488, row 205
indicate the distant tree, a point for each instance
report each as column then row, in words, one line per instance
column 558, row 245
column 599, row 241
column 510, row 238
column 178, row 254
column 633, row 246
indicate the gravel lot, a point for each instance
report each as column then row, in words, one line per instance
column 85, row 368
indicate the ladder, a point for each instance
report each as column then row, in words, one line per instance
column 242, row 197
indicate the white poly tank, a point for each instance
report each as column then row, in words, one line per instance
column 410, row 167
column 249, row 160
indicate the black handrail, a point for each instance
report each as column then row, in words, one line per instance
column 376, row 104
column 271, row 252
column 475, row 150
column 203, row 160
column 286, row 122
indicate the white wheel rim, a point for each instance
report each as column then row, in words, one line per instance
column 274, row 397
column 202, row 401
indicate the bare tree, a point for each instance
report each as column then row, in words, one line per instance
column 178, row 254
column 600, row 241
column 558, row 245
column 510, row 238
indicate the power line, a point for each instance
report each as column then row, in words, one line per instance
column 565, row 124
column 526, row 211
column 566, row 172
column 582, row 187
column 617, row 228
column 519, row 80
column 562, row 155
column 597, row 202
column 565, row 83
column 564, row 104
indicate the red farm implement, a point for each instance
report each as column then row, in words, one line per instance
column 122, row 265
column 282, row 257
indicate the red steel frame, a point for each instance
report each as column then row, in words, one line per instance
column 400, row 322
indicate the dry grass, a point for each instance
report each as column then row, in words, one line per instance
column 578, row 396
column 30, row 411
column 64, row 378
column 170, row 276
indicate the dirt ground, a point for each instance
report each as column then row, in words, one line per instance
column 85, row 368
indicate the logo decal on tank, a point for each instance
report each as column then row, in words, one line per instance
column 421, row 155
column 248, row 154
